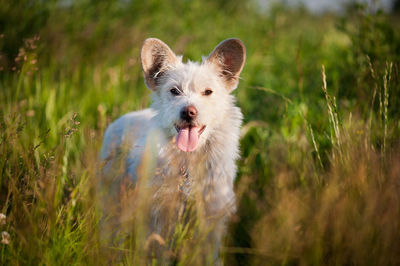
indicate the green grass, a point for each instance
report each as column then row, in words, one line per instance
column 318, row 180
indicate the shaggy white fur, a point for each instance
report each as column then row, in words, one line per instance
column 211, row 132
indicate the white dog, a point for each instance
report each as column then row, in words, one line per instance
column 190, row 133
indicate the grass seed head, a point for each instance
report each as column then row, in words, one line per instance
column 5, row 238
column 3, row 219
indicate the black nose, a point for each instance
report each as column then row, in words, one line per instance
column 188, row 113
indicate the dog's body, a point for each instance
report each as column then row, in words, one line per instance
column 191, row 132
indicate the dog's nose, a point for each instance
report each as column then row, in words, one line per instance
column 188, row 113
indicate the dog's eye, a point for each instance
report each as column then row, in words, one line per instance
column 207, row 92
column 175, row 92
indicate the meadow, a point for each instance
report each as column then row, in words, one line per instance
column 319, row 174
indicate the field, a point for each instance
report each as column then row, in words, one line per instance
column 319, row 174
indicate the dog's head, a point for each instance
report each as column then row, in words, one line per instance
column 192, row 99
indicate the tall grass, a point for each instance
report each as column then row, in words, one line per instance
column 318, row 180
column 344, row 214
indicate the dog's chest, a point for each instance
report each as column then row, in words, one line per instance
column 185, row 170
column 192, row 177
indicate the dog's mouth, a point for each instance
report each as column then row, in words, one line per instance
column 188, row 136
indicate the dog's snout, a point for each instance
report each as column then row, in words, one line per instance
column 188, row 113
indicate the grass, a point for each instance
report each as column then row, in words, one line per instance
column 318, row 179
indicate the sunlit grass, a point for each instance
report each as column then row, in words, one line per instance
column 319, row 174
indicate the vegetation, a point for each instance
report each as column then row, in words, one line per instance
column 319, row 178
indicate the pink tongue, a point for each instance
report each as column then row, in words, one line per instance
column 187, row 138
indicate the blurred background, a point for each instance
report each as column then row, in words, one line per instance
column 318, row 180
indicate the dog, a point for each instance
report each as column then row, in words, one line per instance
column 189, row 136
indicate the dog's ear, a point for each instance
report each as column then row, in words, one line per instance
column 229, row 57
column 156, row 57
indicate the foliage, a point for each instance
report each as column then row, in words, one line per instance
column 318, row 181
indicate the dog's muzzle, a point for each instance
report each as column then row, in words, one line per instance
column 188, row 131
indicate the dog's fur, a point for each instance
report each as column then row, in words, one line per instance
column 205, row 173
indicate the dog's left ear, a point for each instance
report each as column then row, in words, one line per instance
column 229, row 57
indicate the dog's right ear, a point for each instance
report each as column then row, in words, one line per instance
column 156, row 57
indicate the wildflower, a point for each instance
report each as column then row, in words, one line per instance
column 5, row 238
column 3, row 219
column 30, row 113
